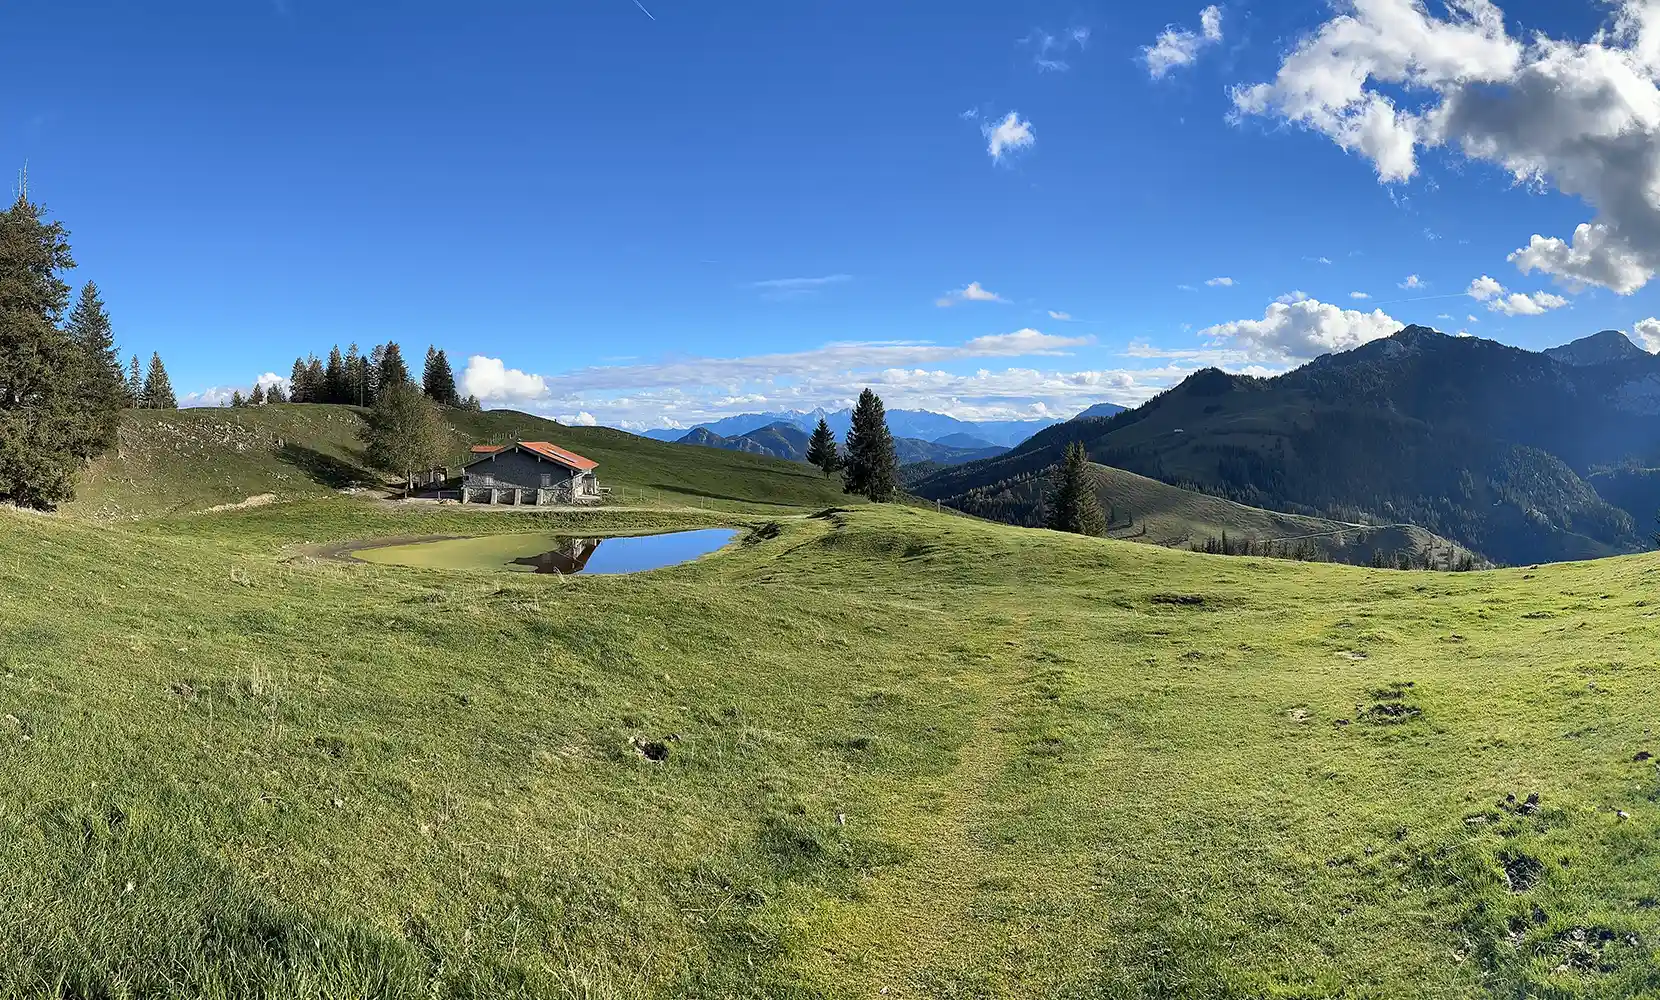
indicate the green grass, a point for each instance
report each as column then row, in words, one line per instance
column 900, row 751
column 173, row 461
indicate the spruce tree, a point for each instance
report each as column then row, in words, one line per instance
column 438, row 381
column 257, row 397
column 870, row 468
column 103, row 390
column 135, row 383
column 43, row 438
column 296, row 382
column 354, row 376
column 822, row 450
column 316, row 382
column 334, row 378
column 404, row 433
column 371, row 373
column 237, row 401
column 158, row 389
column 276, row 395
column 393, row 372
column 1073, row 505
column 472, row 404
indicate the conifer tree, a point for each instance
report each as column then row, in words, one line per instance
column 296, row 382
column 158, row 389
column 135, row 383
column 237, row 401
column 276, row 395
column 472, row 404
column 438, row 381
column 870, row 467
column 334, row 378
column 316, row 382
column 354, row 377
column 43, row 438
column 1073, row 505
column 404, row 433
column 392, row 371
column 103, row 390
column 371, row 373
column 822, row 450
column 257, row 397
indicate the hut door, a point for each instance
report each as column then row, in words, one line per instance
column 547, row 480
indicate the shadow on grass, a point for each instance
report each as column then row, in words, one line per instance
column 325, row 470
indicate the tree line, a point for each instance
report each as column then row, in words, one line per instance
column 62, row 383
column 869, row 466
column 358, row 379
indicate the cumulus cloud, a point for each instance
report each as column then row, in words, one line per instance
column 1411, row 281
column 493, row 382
column 1501, row 300
column 1220, row 282
column 581, row 418
column 1385, row 78
column 1177, row 46
column 1647, row 332
column 975, row 292
column 1302, row 329
column 1008, row 135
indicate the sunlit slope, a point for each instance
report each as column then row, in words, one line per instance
column 185, row 460
column 895, row 750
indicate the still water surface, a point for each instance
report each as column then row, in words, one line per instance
column 544, row 553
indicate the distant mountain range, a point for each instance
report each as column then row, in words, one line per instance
column 918, row 424
column 1522, row 456
column 782, row 439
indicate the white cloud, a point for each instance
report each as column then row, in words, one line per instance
column 800, row 284
column 220, row 395
column 579, row 419
column 970, row 114
column 1411, row 281
column 1501, row 300
column 1471, row 318
column 975, row 292
column 1303, row 329
column 1177, row 46
column 1296, row 295
column 1220, row 282
column 492, row 381
column 1048, row 51
column 1064, row 317
column 1385, row 78
column 1359, row 295
column 1010, row 134
column 1648, row 332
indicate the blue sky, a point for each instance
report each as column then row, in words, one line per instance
column 988, row 209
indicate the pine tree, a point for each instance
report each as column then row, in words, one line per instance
column 158, row 389
column 393, row 372
column 257, row 397
column 438, row 381
column 822, row 450
column 404, row 433
column 276, row 395
column 43, row 438
column 371, row 374
column 354, row 376
column 334, row 378
column 1073, row 505
column 316, row 382
column 135, row 383
column 237, row 401
column 870, row 466
column 103, row 390
column 472, row 404
column 296, row 382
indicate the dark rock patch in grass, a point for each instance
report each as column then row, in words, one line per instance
column 1521, row 871
column 1387, row 713
column 1184, row 600
column 654, row 750
column 1641, row 756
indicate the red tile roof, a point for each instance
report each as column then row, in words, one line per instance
column 560, row 455
column 553, row 453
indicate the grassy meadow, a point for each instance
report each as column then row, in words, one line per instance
column 875, row 752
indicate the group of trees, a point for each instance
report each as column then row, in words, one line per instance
column 870, row 467
column 360, row 379
column 62, row 384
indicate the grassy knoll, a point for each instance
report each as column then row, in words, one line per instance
column 883, row 749
column 171, row 461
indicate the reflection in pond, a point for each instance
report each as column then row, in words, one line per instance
column 571, row 557
column 548, row 553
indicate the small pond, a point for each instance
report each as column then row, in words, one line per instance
column 545, row 553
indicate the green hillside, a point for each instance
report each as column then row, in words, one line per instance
column 184, row 460
column 1145, row 510
column 876, row 753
